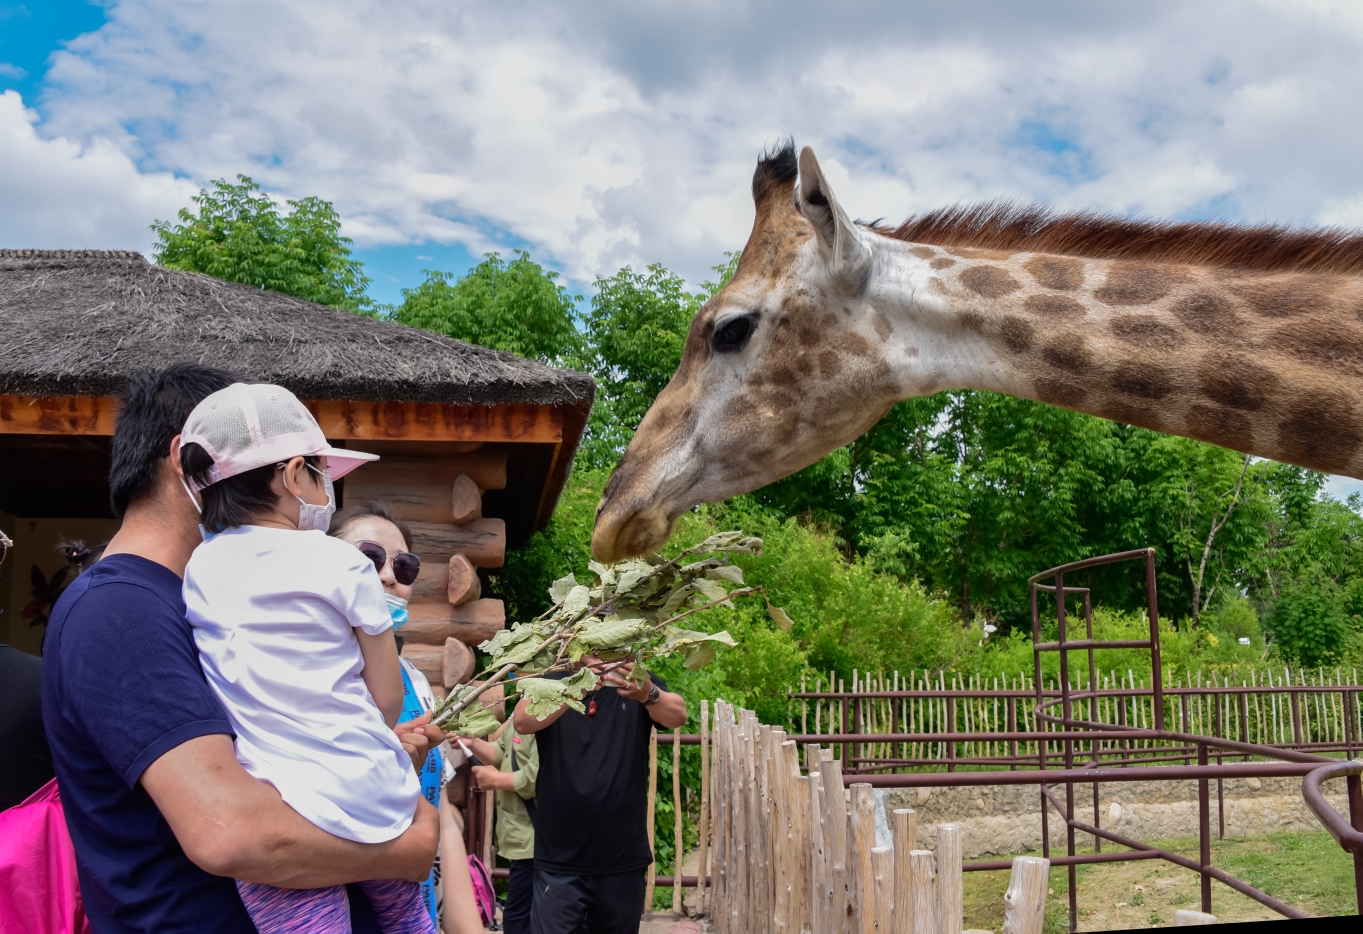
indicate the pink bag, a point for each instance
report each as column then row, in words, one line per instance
column 483, row 895
column 39, row 893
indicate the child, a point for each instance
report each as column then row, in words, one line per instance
column 295, row 637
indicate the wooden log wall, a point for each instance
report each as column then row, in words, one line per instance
column 795, row 852
column 436, row 488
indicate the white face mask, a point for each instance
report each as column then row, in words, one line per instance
column 203, row 532
column 317, row 518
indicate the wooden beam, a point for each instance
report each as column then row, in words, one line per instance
column 57, row 415
column 434, row 421
column 423, row 482
column 340, row 420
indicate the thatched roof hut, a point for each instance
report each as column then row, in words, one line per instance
column 76, row 324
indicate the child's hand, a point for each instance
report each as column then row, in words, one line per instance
column 419, row 737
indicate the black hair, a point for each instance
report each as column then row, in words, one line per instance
column 234, row 500
column 373, row 509
column 154, row 409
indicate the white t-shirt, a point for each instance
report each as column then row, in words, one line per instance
column 273, row 612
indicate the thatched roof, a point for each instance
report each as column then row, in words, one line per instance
column 80, row 322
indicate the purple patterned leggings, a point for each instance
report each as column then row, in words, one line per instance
column 399, row 906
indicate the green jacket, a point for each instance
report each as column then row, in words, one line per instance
column 515, row 833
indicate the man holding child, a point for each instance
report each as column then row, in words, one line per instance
column 163, row 816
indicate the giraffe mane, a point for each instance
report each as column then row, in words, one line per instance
column 1029, row 228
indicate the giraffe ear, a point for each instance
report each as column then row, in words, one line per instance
column 842, row 244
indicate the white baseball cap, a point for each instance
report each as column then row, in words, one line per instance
column 250, row 425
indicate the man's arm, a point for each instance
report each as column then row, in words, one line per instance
column 230, row 824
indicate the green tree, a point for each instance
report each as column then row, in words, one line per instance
column 239, row 234
column 635, row 333
column 517, row 306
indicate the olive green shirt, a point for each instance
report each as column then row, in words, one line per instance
column 515, row 833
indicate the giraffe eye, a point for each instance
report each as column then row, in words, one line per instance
column 733, row 335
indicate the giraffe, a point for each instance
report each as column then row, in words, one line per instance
column 1249, row 338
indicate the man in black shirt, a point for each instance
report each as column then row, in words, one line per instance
column 25, row 762
column 591, row 837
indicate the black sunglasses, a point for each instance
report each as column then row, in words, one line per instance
column 406, row 566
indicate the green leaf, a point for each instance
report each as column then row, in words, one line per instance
column 611, row 632
column 712, row 591
column 474, row 720
column 576, row 601
column 546, row 696
column 680, row 638
column 561, row 588
column 727, row 572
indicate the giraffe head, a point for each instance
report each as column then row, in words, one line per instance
column 784, row 364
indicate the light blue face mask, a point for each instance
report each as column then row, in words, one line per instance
column 397, row 609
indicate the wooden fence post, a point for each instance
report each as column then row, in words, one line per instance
column 882, row 866
column 676, row 823
column 861, row 825
column 904, row 828
column 652, row 815
column 835, row 842
column 923, row 891
column 703, row 868
column 1024, row 904
column 949, row 883
column 822, row 892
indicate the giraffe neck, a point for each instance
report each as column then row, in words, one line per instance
column 1267, row 364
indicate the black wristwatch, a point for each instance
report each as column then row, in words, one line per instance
column 653, row 696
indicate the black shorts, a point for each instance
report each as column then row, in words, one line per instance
column 611, row 904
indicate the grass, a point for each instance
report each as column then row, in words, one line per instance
column 1308, row 871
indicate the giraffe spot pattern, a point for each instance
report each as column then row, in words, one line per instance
column 1144, row 331
column 1320, row 432
column 1284, row 298
column 1143, row 416
column 1235, row 381
column 1017, row 333
column 1205, row 313
column 942, row 263
column 989, row 281
column 1225, row 427
column 1059, row 391
column 1053, row 306
column 1069, row 352
column 1145, row 380
column 1064, row 275
column 1138, row 284
column 1325, row 343
column 923, row 252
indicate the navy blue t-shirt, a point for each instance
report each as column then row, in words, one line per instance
column 122, row 686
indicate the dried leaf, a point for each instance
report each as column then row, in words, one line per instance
column 698, row 656
column 783, row 622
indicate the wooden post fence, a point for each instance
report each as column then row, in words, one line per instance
column 792, row 851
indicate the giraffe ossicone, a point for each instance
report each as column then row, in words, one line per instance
column 1251, row 338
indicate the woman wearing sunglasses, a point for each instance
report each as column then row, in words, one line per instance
column 385, row 540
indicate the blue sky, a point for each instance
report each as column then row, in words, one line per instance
column 599, row 133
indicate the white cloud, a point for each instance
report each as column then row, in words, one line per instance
column 608, row 132
column 60, row 193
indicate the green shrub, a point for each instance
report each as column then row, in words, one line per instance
column 1308, row 622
